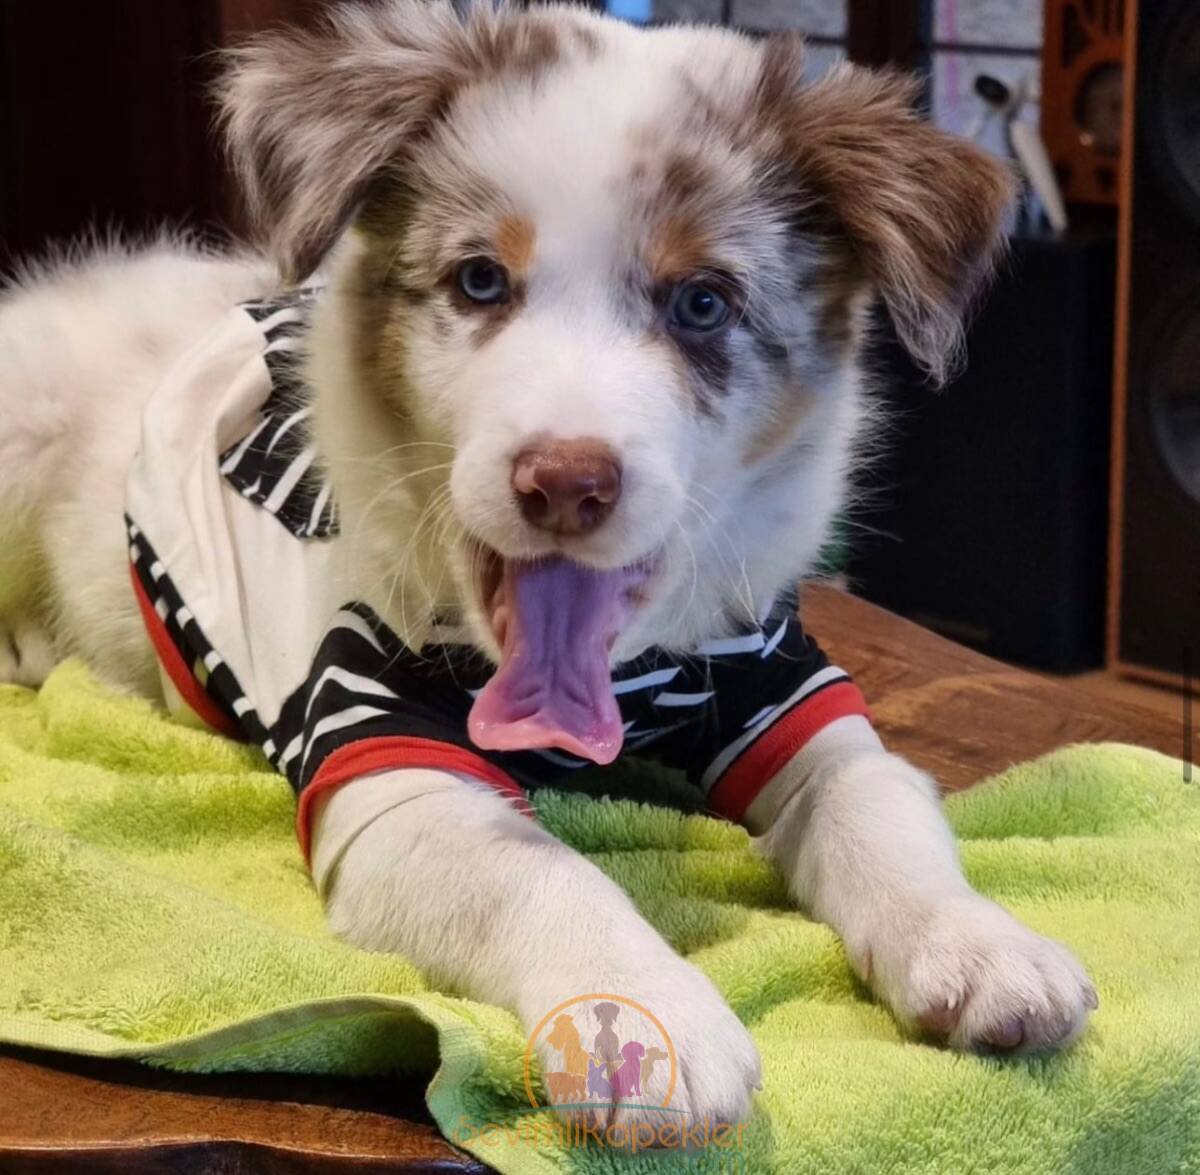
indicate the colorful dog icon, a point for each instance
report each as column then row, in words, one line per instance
column 627, row 1080
column 606, row 1045
column 565, row 1088
column 570, row 1084
column 652, row 1057
column 597, row 1082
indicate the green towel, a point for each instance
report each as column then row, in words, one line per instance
column 153, row 904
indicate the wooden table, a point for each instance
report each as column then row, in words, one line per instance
column 959, row 715
column 953, row 712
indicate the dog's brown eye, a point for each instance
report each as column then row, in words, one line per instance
column 483, row 280
column 697, row 307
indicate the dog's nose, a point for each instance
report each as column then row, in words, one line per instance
column 567, row 487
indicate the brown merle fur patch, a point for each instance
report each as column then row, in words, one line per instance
column 751, row 218
column 781, row 421
column 678, row 248
column 709, row 363
column 490, row 320
column 516, row 238
column 921, row 209
column 311, row 116
column 400, row 278
column 378, row 316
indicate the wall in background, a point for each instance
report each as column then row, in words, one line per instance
column 952, row 41
column 969, row 37
column 824, row 22
column 105, row 121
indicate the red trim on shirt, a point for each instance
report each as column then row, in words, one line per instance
column 394, row 752
column 766, row 756
column 180, row 673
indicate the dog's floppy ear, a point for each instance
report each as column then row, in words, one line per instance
column 311, row 115
column 922, row 209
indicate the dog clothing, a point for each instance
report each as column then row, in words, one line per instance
column 239, row 567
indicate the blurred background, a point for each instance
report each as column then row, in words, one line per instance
column 1045, row 508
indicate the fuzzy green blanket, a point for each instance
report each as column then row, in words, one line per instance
column 153, row 904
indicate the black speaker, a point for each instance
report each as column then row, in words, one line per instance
column 986, row 517
column 1155, row 604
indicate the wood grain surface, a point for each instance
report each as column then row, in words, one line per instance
column 953, row 712
column 71, row 1114
column 957, row 714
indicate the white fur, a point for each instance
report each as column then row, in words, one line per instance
column 425, row 863
column 867, row 850
column 84, row 339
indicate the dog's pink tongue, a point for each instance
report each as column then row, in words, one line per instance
column 553, row 687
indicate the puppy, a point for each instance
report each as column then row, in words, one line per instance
column 520, row 480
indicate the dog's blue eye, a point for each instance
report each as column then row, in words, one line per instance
column 698, row 307
column 483, row 280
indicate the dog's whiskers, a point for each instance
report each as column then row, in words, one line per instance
column 384, row 454
column 742, row 594
column 387, row 492
column 687, row 542
column 411, row 557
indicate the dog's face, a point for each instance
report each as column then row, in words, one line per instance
column 598, row 300
column 614, row 311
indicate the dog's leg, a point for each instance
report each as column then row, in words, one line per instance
column 446, row 872
column 866, row 849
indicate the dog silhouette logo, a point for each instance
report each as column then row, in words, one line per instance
column 599, row 1049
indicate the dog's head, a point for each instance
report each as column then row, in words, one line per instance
column 589, row 362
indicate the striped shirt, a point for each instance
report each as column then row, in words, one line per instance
column 237, row 563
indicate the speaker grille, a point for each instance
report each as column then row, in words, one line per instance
column 1157, row 613
column 1171, row 116
column 1174, row 384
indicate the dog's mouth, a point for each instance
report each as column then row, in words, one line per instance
column 556, row 622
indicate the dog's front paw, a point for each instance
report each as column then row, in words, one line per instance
column 649, row 1057
column 969, row 973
